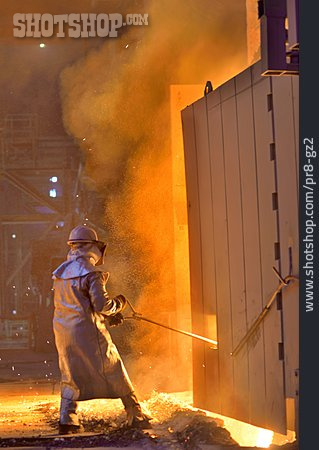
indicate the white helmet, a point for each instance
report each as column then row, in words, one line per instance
column 84, row 234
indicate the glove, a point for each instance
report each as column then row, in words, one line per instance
column 116, row 320
column 120, row 301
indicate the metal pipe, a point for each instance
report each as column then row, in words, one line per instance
column 138, row 316
column 185, row 333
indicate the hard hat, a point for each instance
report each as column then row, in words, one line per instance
column 83, row 234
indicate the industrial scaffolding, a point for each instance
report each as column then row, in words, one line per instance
column 41, row 198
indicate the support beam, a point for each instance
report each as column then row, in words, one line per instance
column 28, row 219
column 27, row 189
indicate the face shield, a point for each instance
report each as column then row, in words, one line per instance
column 101, row 246
column 94, row 250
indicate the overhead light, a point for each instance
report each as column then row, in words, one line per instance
column 54, row 179
column 14, row 311
column 59, row 224
column 42, row 45
column 13, row 236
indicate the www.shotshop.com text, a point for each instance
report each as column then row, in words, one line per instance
column 308, row 238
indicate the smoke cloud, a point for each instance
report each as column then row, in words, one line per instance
column 116, row 104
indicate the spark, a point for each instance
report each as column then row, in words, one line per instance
column 42, row 45
column 12, row 367
column 13, row 236
column 84, row 139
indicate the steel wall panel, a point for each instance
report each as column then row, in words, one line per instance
column 243, row 81
column 224, row 325
column 254, row 350
column 207, row 254
column 256, row 72
column 275, row 401
column 235, row 254
column 213, row 99
column 227, row 90
column 288, row 225
column 194, row 226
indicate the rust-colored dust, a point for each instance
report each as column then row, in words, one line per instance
column 116, row 103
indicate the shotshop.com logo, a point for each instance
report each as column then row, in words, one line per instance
column 73, row 25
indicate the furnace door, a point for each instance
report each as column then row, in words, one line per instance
column 241, row 160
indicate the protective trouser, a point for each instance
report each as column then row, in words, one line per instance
column 68, row 410
column 133, row 409
column 68, row 414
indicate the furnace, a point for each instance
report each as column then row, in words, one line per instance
column 241, row 159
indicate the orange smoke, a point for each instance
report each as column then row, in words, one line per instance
column 118, row 99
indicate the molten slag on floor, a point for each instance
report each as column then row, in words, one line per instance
column 174, row 419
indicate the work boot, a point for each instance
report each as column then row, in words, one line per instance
column 142, row 421
column 70, row 429
column 135, row 416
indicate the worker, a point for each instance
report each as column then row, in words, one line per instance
column 90, row 364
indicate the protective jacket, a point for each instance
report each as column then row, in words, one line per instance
column 90, row 364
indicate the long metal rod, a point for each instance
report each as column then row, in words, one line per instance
column 138, row 316
column 213, row 343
